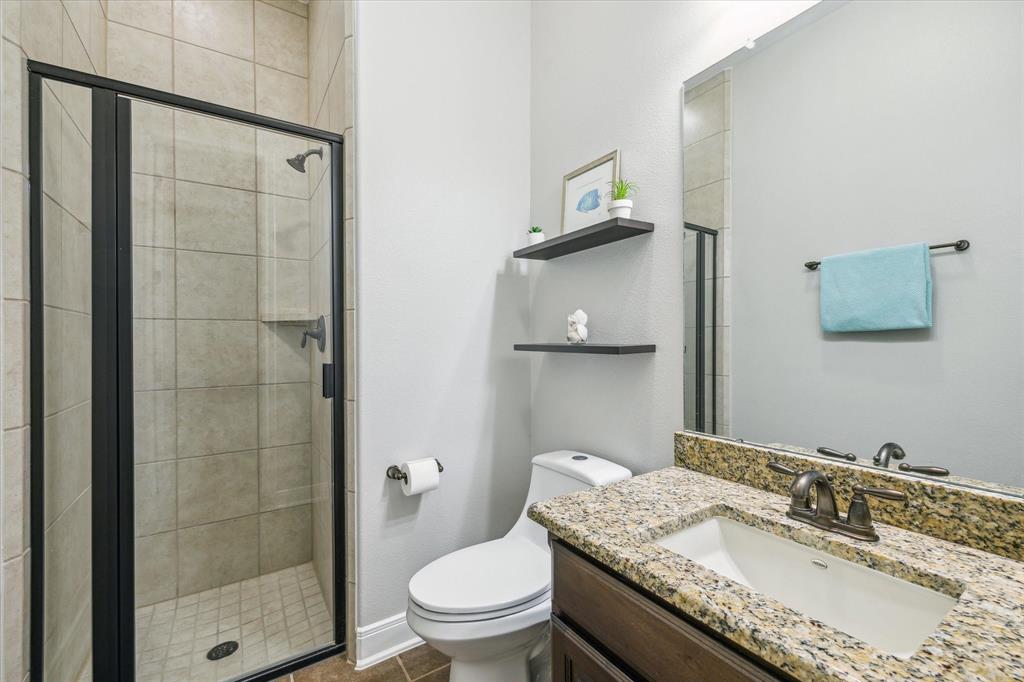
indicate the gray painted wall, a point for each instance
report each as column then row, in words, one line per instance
column 458, row 151
column 882, row 124
column 442, row 109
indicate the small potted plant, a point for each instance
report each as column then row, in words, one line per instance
column 621, row 205
column 535, row 235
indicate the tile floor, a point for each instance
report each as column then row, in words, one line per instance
column 422, row 664
column 272, row 617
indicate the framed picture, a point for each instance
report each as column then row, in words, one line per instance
column 585, row 192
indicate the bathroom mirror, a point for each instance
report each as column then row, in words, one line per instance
column 859, row 126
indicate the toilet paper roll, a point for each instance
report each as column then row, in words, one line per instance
column 421, row 475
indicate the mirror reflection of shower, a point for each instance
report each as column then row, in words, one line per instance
column 298, row 162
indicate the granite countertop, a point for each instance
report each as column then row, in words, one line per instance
column 981, row 638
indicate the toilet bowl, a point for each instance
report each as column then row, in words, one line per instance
column 488, row 606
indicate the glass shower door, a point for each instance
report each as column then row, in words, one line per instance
column 233, row 437
column 65, row 399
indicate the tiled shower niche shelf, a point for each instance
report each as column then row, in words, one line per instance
column 592, row 348
column 602, row 233
column 289, row 317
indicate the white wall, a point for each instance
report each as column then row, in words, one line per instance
column 607, row 75
column 443, row 162
column 884, row 124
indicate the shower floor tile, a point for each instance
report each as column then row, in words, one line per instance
column 272, row 617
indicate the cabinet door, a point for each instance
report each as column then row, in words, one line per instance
column 573, row 660
column 649, row 640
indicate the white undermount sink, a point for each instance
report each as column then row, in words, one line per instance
column 890, row 614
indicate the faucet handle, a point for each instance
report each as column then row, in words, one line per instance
column 930, row 470
column 780, row 468
column 830, row 452
column 858, row 518
column 884, row 493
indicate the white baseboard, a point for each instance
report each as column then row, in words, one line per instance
column 380, row 641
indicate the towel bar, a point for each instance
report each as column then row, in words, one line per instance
column 959, row 245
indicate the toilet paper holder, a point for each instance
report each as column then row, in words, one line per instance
column 396, row 474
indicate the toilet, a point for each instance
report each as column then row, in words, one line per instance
column 487, row 606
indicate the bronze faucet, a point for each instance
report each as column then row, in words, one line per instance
column 886, row 452
column 823, row 514
column 894, row 451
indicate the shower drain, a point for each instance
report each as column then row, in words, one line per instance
column 222, row 650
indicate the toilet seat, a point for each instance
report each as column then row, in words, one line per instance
column 484, row 581
column 442, row 617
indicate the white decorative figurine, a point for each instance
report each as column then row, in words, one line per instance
column 577, row 327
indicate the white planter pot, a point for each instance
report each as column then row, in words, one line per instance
column 534, row 238
column 620, row 208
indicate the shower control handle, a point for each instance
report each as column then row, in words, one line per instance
column 320, row 334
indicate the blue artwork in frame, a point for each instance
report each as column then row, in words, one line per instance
column 585, row 192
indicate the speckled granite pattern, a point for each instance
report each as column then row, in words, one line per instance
column 988, row 521
column 982, row 637
column 961, row 481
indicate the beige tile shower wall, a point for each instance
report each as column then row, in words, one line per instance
column 67, row 321
column 223, row 453
column 322, row 476
column 71, row 34
column 246, row 54
column 222, row 237
column 142, row 45
column 331, row 108
column 707, row 140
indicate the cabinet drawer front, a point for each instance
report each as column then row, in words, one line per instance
column 649, row 639
column 573, row 660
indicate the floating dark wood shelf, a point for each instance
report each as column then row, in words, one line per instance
column 595, row 348
column 586, row 238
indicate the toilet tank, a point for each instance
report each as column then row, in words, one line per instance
column 560, row 472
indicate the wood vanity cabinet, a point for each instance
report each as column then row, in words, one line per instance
column 574, row 660
column 604, row 630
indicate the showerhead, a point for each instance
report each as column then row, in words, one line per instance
column 298, row 162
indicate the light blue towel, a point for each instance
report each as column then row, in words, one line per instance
column 877, row 290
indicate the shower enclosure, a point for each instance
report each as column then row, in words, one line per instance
column 186, row 274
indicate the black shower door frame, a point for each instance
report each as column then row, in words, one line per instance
column 703, row 234
column 113, row 537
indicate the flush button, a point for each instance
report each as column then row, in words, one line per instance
column 579, row 458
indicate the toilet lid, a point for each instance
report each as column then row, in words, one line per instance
column 486, row 577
